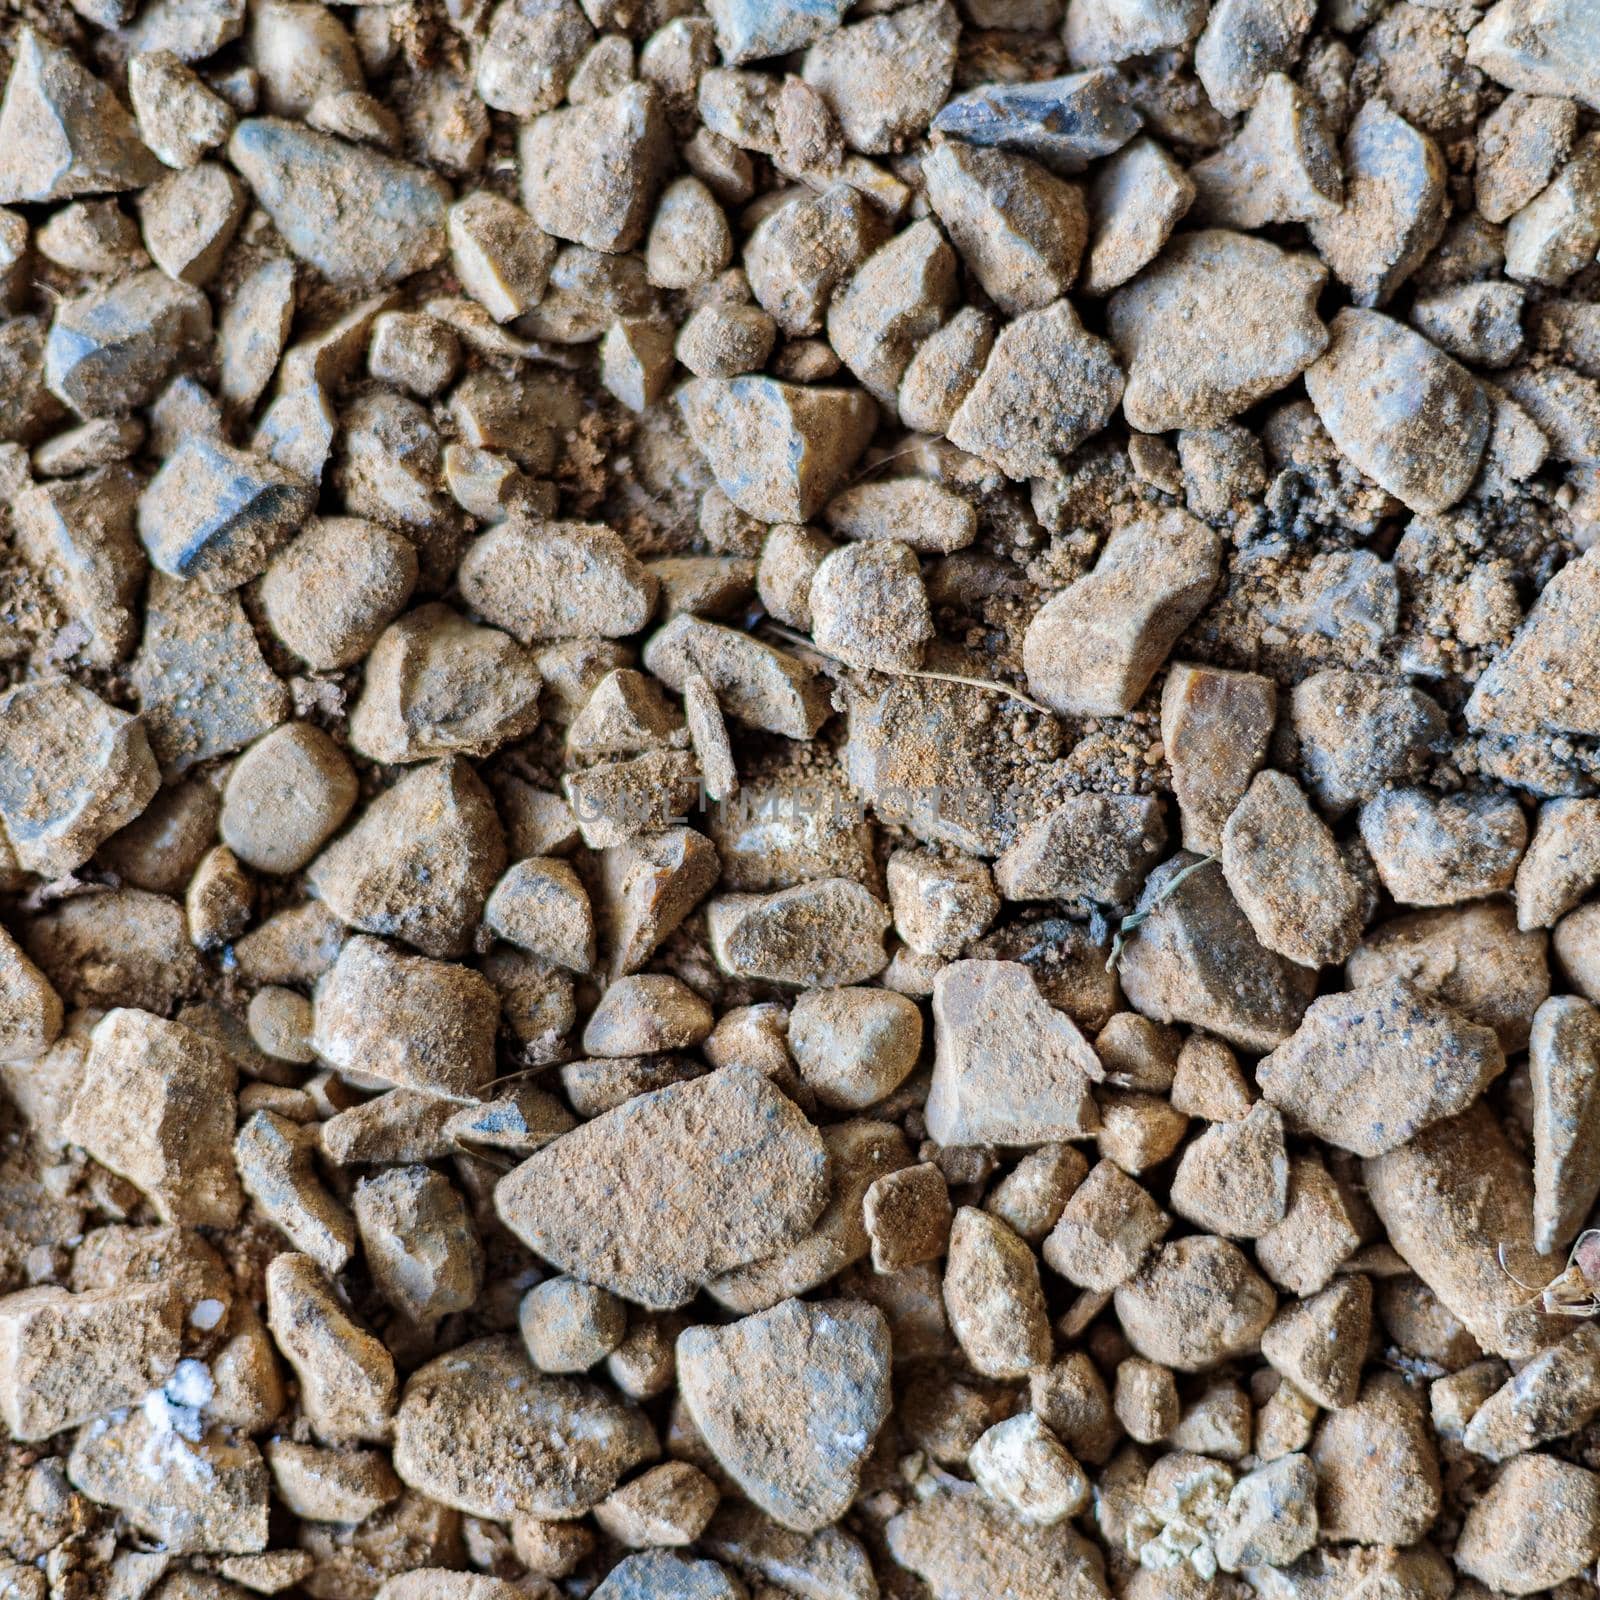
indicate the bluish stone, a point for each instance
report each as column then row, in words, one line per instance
column 1064, row 122
column 751, row 30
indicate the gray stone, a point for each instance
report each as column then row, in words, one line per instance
column 1439, row 850
column 752, row 30
column 1137, row 197
column 1541, row 47
column 753, row 682
column 1280, row 167
column 1564, row 1075
column 1243, row 43
column 1089, row 847
column 1557, row 233
column 816, row 935
column 1100, row 33
column 1064, row 122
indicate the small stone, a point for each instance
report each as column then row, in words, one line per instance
column 1146, row 1400
column 189, row 219
column 869, row 608
column 419, row 862
column 1104, row 32
column 1321, row 1229
column 570, row 1326
column 1520, row 145
column 1562, row 863
column 1179, row 374
column 1377, row 1467
column 1093, row 649
column 1215, row 728
column 1047, row 386
column 1358, row 733
column 1136, row 199
column 1564, row 1069
column 885, row 76
column 747, row 31
column 689, row 242
column 1138, row 1131
column 1556, row 234
column 1271, row 1517
column 525, row 63
column 657, row 1573
column 943, row 370
column 347, row 1377
column 799, row 254
column 1207, row 1081
column 854, row 1046
column 1031, row 1197
column 1064, row 122
column 669, row 1504
column 1020, row 1463
column 564, row 1201
column 418, row 353
column 1280, row 167
column 285, row 797
column 355, row 215
column 1234, row 1179
column 618, row 800
column 1539, row 49
column 1244, row 43
column 406, row 1019
column 636, row 361
column 907, row 1215
column 1552, row 1396
column 331, row 1485
column 401, row 1125
column 708, row 737
column 645, row 1014
column 541, row 906
column 993, row 1297
column 1195, row 1304
column 1537, row 1526
column 1479, row 323
column 179, row 118
column 274, row 1158
column 113, row 349
column 280, row 1024
column 1438, row 850
column 119, row 945
column 558, row 581
column 1319, row 1344
column 499, row 253
column 940, row 905
column 818, row 934
column 648, row 886
column 922, row 514
column 1089, row 847
column 590, row 173
column 419, row 1242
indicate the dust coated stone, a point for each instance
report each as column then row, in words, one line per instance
column 656, row 1573
column 1106, row 1228
column 1553, row 1395
column 993, row 1297
column 753, row 682
column 1215, row 726
column 1280, row 167
column 63, row 131
column 568, row 1325
column 1289, row 876
column 1370, row 1068
column 285, row 796
column 818, row 934
column 411, row 1021
column 622, row 1202
column 1458, row 1205
column 1093, row 649
column 30, row 1009
column 1234, row 1179
column 1020, row 1463
column 1437, row 850
column 790, row 1402
column 156, row 1106
column 1136, row 199
column 907, row 1216
column 940, row 905
column 778, row 450
column 854, row 1046
column 800, row 254
column 1180, row 375
column 1540, row 47
column 1562, row 863
column 1564, row 1072
column 1047, row 386
column 1400, row 409
column 869, row 607
column 73, row 770
column 419, row 1241
column 541, row 906
column 1358, row 733
column 1009, row 1067
column 1319, row 1344
column 1548, row 677
column 1064, row 122
column 419, row 862
column 1537, row 1526
column 1377, row 1466
column 831, row 1562
column 274, row 1159
column 1195, row 1304
column 481, row 1430
column 1090, row 847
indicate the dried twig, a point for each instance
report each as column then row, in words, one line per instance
column 1132, row 921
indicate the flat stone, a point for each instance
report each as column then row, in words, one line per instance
column 1548, row 676
column 482, row 1430
column 408, row 1020
column 1400, row 409
column 779, row 451
column 1369, row 1069
column 217, row 514
column 1552, row 1395
column 1394, row 206
column 1064, row 122
column 356, row 215
column 1215, row 727
column 1289, row 876
column 1009, row 1067
column 1195, row 959
column 1047, row 386
column 1195, row 1304
column 817, row 934
column 621, row 1201
column 1093, row 649
column 790, row 1402
column 1540, row 47
column 63, row 131
column 1089, row 847
column 928, row 517
column 1564, row 1072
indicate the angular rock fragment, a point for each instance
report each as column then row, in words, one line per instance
column 1107, row 1227
column 1093, row 649
column 1553, row 1395
column 1195, row 1304
column 1358, row 733
column 648, row 886
column 274, row 1158
column 993, row 1297
column 1136, row 199
column 1234, row 1179
column 1377, row 1466
column 1318, row 1344
column 1564, row 1070
column 179, row 117
column 419, row 1242
column 598, row 1201
column 818, row 934
column 1438, row 850
column 1064, row 122
column 869, row 607
column 1215, row 726
column 1280, row 166
column 1537, row 1526
column 1244, row 42
column 285, row 796
column 790, row 1402
column 501, row 256
column 354, row 214
column 1180, row 375
column 1544, row 48
column 1090, row 847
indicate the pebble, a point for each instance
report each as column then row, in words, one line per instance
column 644, row 1014
column 804, row 249
column 648, row 886
column 1021, row 1464
column 565, row 1201
column 1064, row 122
column 1538, row 48
column 993, row 1297
column 1317, row 1344
column 1537, row 1526
column 1136, row 199
column 1234, row 1179
column 591, row 173
column 407, row 1020
column 398, row 1126
column 274, row 1158
column 1289, row 876
column 1009, row 1068
column 752, row 31
column 1562, row 863
column 1215, row 728
column 907, row 1215
column 1271, row 1517
column 668, row 1504
column 940, row 905
column 1564, row 1073
column 285, row 797
column 527, row 61
column 354, row 214
column 179, row 118
column 1438, row 850
column 1163, row 326
column 657, row 1573
column 1196, row 1303
column 419, row 861
column 1358, row 733
column 541, row 907
column 1400, row 409
column 570, row 1326
column 869, row 608
column 556, row 1451
column 63, row 131
column 1243, row 43
column 499, row 253
column 1089, row 847
column 853, row 1046
column 943, row 370
column 1280, row 167
column 189, row 219
column 1092, row 649
column 790, row 1402
column 818, row 934
column 1146, row 1400
column 1105, row 32
column 331, row 1485
column 1106, row 1228
column 419, row 1242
